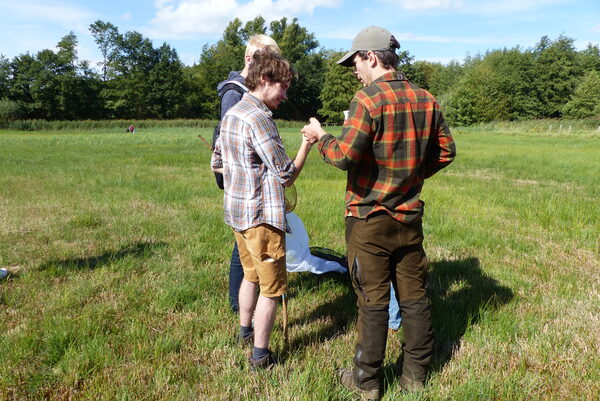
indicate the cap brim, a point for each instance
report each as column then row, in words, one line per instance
column 348, row 59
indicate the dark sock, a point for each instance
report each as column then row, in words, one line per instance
column 259, row 353
column 245, row 331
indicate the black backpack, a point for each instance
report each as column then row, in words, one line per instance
column 229, row 85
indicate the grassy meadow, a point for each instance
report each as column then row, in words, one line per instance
column 119, row 263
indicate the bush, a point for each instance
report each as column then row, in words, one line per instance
column 121, row 125
column 9, row 111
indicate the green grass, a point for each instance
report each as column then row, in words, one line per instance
column 119, row 260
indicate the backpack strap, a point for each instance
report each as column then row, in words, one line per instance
column 234, row 85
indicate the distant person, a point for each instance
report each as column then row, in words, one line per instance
column 231, row 91
column 255, row 167
column 131, row 129
column 394, row 138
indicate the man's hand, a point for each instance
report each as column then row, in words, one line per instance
column 313, row 131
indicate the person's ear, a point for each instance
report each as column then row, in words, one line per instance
column 372, row 59
column 247, row 59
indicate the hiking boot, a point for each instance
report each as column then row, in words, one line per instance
column 244, row 341
column 346, row 377
column 265, row 363
column 409, row 384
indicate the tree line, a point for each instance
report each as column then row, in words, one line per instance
column 135, row 80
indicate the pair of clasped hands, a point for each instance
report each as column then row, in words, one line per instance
column 313, row 131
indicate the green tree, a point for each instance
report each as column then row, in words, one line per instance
column 126, row 90
column 299, row 46
column 589, row 58
column 190, row 103
column 499, row 86
column 166, row 84
column 60, row 86
column 423, row 72
column 22, row 78
column 557, row 72
column 586, row 99
column 78, row 86
column 106, row 36
column 4, row 77
column 444, row 77
column 339, row 87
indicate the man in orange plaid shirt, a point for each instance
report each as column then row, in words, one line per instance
column 395, row 137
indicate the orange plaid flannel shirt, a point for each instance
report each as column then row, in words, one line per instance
column 395, row 137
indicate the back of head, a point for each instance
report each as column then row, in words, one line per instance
column 269, row 65
column 259, row 42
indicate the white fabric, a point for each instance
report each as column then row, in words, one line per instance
column 298, row 256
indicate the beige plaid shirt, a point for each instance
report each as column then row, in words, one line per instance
column 255, row 166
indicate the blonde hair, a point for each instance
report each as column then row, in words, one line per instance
column 258, row 42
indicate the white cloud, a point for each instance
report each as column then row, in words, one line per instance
column 178, row 19
column 595, row 29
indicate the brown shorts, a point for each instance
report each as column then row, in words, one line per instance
column 262, row 253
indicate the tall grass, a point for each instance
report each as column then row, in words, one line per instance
column 119, row 259
column 117, row 126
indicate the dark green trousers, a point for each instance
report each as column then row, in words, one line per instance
column 380, row 250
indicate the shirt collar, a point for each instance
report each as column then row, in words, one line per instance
column 392, row 76
column 259, row 103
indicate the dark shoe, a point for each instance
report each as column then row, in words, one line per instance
column 409, row 384
column 346, row 377
column 265, row 363
column 244, row 341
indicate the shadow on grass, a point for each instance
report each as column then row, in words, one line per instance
column 332, row 317
column 140, row 249
column 460, row 294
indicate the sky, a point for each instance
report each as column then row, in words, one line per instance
column 432, row 30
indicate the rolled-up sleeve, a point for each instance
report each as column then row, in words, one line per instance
column 270, row 149
column 216, row 160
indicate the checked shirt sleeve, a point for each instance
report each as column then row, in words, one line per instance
column 348, row 149
column 442, row 149
column 269, row 148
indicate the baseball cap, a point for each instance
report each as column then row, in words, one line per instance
column 371, row 38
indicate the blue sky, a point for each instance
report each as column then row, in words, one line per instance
column 434, row 30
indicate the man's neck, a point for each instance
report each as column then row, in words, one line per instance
column 379, row 71
column 258, row 93
column 244, row 72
